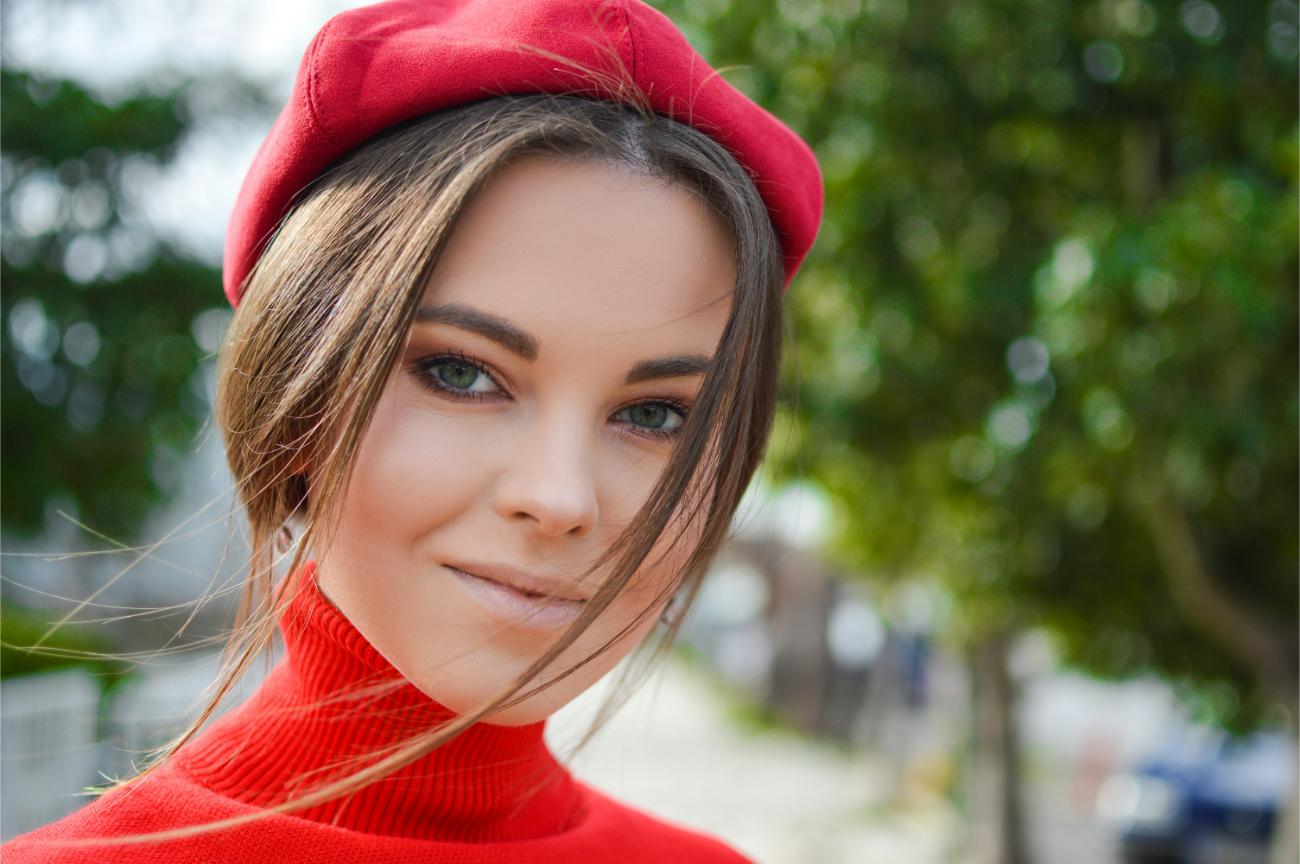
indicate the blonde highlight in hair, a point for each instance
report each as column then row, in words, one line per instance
column 324, row 316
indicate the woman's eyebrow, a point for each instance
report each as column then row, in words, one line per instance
column 486, row 324
column 668, row 367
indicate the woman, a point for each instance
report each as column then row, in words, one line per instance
column 502, row 364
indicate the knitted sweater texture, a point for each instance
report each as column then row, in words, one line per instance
column 493, row 794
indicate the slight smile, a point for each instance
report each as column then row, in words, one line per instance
column 528, row 610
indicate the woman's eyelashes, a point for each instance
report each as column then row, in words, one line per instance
column 457, row 376
column 659, row 419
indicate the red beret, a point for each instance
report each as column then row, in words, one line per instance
column 377, row 66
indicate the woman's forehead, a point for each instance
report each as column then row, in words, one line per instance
column 585, row 247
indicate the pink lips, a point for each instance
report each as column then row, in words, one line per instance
column 517, row 607
column 521, row 580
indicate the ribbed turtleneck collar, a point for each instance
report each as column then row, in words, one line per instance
column 471, row 789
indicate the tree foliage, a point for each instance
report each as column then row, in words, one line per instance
column 1045, row 348
column 99, row 374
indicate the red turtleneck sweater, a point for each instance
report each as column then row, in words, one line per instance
column 460, row 804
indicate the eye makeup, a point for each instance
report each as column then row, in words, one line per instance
column 434, row 371
column 426, row 371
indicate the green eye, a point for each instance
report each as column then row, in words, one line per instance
column 659, row 418
column 458, row 375
column 651, row 414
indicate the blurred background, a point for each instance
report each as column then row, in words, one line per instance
column 1018, row 582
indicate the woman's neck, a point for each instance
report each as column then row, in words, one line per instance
column 489, row 783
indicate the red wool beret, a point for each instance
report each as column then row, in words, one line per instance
column 377, row 66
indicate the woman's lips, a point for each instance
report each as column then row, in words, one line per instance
column 525, row 581
column 532, row 612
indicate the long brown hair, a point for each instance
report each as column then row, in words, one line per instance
column 326, row 312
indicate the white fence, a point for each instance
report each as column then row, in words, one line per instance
column 49, row 749
column 55, row 743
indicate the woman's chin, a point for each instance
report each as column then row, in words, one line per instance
column 536, row 708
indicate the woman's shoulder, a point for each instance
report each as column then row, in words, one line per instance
column 610, row 831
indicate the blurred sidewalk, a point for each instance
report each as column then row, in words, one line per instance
column 676, row 751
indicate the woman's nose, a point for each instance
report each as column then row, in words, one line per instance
column 550, row 484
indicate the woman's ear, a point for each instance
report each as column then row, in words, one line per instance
column 300, row 464
column 299, row 481
column 673, row 610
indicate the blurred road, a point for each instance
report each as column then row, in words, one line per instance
column 777, row 797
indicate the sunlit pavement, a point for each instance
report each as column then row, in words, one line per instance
column 676, row 751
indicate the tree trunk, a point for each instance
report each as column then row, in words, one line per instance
column 1246, row 634
column 997, row 823
column 797, row 618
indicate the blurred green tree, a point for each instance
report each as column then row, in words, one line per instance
column 1046, row 345
column 99, row 376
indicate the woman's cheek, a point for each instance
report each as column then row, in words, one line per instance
column 418, row 470
column 425, row 465
column 626, row 476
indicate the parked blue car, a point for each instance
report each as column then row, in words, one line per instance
column 1202, row 797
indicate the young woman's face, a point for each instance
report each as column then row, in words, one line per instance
column 559, row 345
